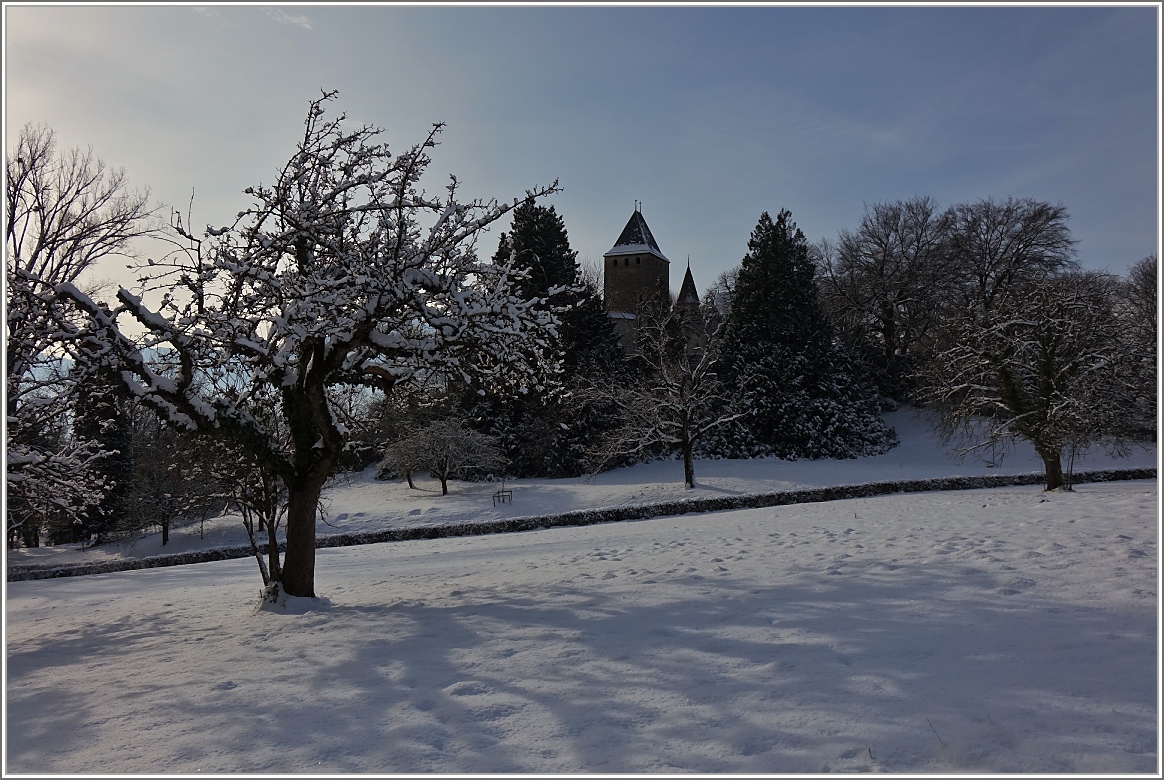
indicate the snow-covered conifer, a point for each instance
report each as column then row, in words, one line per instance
column 548, row 433
column 804, row 396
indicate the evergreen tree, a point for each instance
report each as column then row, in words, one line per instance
column 538, row 244
column 550, row 432
column 102, row 415
column 805, row 398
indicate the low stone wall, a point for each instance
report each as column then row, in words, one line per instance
column 582, row 517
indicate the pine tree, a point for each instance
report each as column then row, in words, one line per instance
column 805, row 397
column 538, row 244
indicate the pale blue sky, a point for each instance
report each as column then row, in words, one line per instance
column 709, row 116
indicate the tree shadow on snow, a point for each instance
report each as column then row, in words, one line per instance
column 885, row 668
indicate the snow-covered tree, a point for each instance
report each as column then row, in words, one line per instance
column 445, row 449
column 64, row 212
column 804, row 396
column 342, row 272
column 672, row 398
column 1048, row 364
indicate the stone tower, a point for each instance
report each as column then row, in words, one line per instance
column 634, row 270
column 687, row 305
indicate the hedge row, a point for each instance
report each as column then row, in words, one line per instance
column 582, row 517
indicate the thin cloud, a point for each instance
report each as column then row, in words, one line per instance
column 298, row 20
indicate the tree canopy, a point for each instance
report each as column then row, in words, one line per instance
column 343, row 272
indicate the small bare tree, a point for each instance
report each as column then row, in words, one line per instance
column 674, row 398
column 445, row 448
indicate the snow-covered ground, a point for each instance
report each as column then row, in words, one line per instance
column 362, row 503
column 1005, row 630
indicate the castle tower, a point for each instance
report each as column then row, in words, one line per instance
column 687, row 305
column 634, row 270
column 688, row 297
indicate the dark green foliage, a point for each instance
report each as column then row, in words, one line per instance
column 538, row 243
column 775, row 299
column 548, row 432
column 102, row 415
column 804, row 397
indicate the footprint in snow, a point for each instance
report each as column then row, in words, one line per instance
column 467, row 688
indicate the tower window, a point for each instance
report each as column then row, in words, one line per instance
column 626, row 261
column 638, row 260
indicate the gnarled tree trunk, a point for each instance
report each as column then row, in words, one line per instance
column 298, row 571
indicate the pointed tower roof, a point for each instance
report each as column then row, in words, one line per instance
column 635, row 239
column 688, row 296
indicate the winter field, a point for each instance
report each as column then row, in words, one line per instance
column 1004, row 630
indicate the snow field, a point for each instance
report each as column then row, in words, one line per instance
column 1004, row 630
column 360, row 503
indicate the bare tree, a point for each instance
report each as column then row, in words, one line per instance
column 1138, row 312
column 445, row 448
column 673, row 398
column 178, row 479
column 1048, row 364
column 999, row 246
column 886, row 284
column 1140, row 299
column 328, row 280
column 401, row 458
column 260, row 497
column 63, row 213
